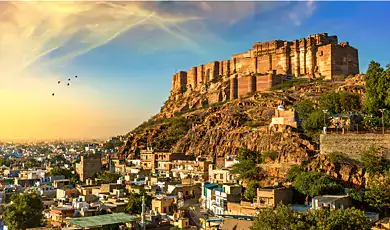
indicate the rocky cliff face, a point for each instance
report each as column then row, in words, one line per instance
column 193, row 126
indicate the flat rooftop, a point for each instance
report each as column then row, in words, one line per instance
column 101, row 220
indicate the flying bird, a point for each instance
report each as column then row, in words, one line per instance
column 59, row 82
column 75, row 76
column 68, row 79
column 52, row 94
column 68, row 84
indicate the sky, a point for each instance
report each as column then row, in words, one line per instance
column 125, row 53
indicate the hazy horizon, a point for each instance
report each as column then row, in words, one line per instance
column 124, row 54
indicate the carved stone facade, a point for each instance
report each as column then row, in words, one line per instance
column 318, row 55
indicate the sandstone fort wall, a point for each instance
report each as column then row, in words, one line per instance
column 353, row 144
column 318, row 55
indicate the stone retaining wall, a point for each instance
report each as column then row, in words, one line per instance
column 352, row 144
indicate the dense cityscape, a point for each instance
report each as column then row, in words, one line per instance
column 286, row 133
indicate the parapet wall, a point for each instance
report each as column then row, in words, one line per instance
column 316, row 55
column 353, row 144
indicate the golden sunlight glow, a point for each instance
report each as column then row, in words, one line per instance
column 38, row 34
column 35, row 35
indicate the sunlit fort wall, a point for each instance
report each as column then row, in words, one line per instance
column 267, row 63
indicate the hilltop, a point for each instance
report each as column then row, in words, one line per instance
column 224, row 128
column 219, row 108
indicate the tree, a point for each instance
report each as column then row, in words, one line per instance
column 67, row 173
column 371, row 122
column 376, row 197
column 349, row 102
column 314, row 183
column 331, row 102
column 269, row 154
column 5, row 162
column 59, row 160
column 30, row 163
column 281, row 218
column 377, row 88
column 285, row 218
column 247, row 166
column 293, row 172
column 348, row 219
column 338, row 159
column 108, row 145
column 108, row 177
column 314, row 122
column 25, row 211
column 304, row 108
column 371, row 160
column 134, row 205
column 251, row 190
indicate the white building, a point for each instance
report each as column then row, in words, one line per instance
column 221, row 176
column 215, row 197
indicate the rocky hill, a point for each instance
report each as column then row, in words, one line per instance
column 193, row 126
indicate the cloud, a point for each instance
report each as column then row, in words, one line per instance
column 35, row 36
column 301, row 12
column 43, row 32
column 31, row 31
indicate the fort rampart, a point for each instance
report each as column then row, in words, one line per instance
column 257, row 69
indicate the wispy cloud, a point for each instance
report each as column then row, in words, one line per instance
column 301, row 12
column 31, row 31
column 35, row 34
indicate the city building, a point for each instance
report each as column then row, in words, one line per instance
column 89, row 166
column 271, row 196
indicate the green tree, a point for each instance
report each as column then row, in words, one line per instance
column 108, row 145
column 108, row 177
column 331, row 102
column 338, row 159
column 281, row 218
column 371, row 122
column 375, row 197
column 377, row 88
column 371, row 160
column 247, row 166
column 25, row 211
column 118, row 143
column 314, row 183
column 5, row 162
column 285, row 218
column 304, row 109
column 67, row 173
column 251, row 190
column 293, row 172
column 349, row 102
column 314, row 122
column 58, row 160
column 134, row 204
column 378, row 194
column 378, row 197
column 30, row 163
column 348, row 219
column 269, row 154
